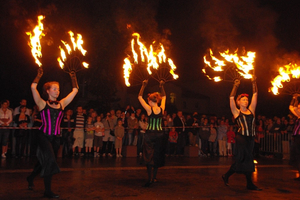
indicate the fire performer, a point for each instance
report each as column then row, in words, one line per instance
column 48, row 140
column 154, row 147
column 245, row 118
column 295, row 149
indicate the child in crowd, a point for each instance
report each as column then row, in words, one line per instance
column 119, row 134
column 98, row 139
column 173, row 136
column 89, row 135
column 230, row 140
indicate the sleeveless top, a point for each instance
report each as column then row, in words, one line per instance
column 155, row 121
column 296, row 130
column 51, row 119
column 246, row 124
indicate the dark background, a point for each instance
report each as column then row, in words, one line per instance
column 186, row 28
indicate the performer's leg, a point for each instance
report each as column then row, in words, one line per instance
column 226, row 176
column 154, row 174
column 149, row 171
column 250, row 185
column 48, row 193
column 36, row 170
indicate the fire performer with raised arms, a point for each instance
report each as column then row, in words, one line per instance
column 154, row 147
column 48, row 138
column 245, row 118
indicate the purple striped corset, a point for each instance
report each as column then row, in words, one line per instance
column 51, row 120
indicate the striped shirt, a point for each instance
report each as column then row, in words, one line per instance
column 246, row 124
column 79, row 121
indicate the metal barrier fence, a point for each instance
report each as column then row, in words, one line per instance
column 275, row 143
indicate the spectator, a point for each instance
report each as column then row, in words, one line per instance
column 230, row 140
column 5, row 119
column 68, row 124
column 23, row 102
column 89, row 136
column 119, row 134
column 98, row 139
column 172, row 141
column 22, row 120
column 204, row 135
column 212, row 140
column 78, row 135
column 132, row 127
column 108, row 139
column 222, row 138
column 179, row 124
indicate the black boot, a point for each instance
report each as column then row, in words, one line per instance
column 250, row 185
column 48, row 193
column 149, row 171
column 30, row 183
column 226, row 176
column 36, row 170
column 154, row 180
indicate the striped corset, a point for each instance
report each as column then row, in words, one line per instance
column 155, row 121
column 51, row 119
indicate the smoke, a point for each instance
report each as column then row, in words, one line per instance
column 237, row 24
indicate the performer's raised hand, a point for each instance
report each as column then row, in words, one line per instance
column 237, row 82
column 161, row 83
column 38, row 76
column 74, row 79
column 145, row 82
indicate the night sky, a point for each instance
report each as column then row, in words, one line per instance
column 187, row 28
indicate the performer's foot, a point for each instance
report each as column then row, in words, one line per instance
column 30, row 183
column 225, row 180
column 50, row 195
column 253, row 187
column 154, row 180
column 148, row 184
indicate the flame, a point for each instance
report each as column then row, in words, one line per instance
column 127, row 71
column 173, row 67
column 243, row 64
column 76, row 44
column 152, row 58
column 35, row 44
column 285, row 74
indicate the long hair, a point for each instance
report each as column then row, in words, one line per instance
column 154, row 97
column 46, row 87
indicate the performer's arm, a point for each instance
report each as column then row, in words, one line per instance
column 297, row 112
column 233, row 107
column 65, row 101
column 163, row 95
column 254, row 96
column 142, row 101
column 36, row 96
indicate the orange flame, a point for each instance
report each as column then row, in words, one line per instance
column 127, row 71
column 285, row 74
column 243, row 63
column 35, row 44
column 77, row 44
column 151, row 57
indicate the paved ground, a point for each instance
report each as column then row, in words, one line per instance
column 122, row 178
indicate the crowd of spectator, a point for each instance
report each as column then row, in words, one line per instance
column 91, row 134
